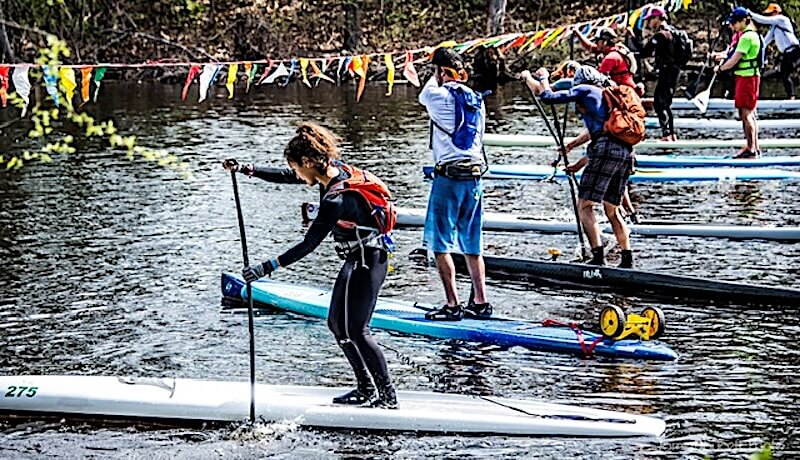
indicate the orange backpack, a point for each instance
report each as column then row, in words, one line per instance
column 375, row 193
column 626, row 114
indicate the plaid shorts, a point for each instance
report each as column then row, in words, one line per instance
column 606, row 175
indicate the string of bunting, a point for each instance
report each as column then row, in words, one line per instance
column 281, row 71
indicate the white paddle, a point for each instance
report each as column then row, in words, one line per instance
column 701, row 100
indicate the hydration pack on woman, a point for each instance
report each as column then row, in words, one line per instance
column 375, row 193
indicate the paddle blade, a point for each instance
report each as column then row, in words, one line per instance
column 701, row 100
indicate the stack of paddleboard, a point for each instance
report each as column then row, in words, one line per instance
column 669, row 174
column 494, row 221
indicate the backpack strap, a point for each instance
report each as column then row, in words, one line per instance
column 627, row 62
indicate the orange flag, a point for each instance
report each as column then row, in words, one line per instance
column 320, row 74
column 86, row 80
column 359, row 65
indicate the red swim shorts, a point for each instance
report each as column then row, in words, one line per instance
column 747, row 92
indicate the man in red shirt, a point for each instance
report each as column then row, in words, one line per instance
column 618, row 62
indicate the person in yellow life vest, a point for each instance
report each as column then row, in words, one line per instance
column 746, row 63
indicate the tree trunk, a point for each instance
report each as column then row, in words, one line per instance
column 497, row 16
column 352, row 27
column 7, row 51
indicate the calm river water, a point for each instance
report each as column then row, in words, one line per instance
column 111, row 267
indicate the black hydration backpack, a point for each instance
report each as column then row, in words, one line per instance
column 683, row 47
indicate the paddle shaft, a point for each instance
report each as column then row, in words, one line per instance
column 705, row 64
column 566, row 106
column 250, row 327
column 563, row 153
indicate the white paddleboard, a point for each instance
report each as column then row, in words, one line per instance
column 533, row 140
column 723, row 123
column 203, row 400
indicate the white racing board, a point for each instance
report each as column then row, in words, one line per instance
column 495, row 221
column 535, row 140
column 714, row 104
column 203, row 400
column 724, row 123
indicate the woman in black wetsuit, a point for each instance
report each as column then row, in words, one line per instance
column 312, row 156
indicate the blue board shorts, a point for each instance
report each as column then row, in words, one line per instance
column 455, row 214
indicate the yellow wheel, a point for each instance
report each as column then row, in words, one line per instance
column 656, row 317
column 612, row 321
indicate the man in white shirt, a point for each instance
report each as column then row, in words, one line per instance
column 454, row 217
column 782, row 31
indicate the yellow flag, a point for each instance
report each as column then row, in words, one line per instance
column 68, row 83
column 387, row 59
column 686, row 4
column 552, row 37
column 303, row 67
column 532, row 43
column 232, row 70
column 634, row 17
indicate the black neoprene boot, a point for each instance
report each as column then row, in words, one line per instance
column 365, row 390
column 598, row 258
column 387, row 397
column 626, row 259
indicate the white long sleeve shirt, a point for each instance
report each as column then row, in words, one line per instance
column 441, row 108
column 780, row 30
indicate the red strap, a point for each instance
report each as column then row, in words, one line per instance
column 587, row 350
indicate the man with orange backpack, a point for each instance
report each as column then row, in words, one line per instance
column 355, row 207
column 609, row 157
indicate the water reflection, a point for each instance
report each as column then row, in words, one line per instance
column 112, row 267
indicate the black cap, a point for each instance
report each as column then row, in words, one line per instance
column 447, row 57
column 605, row 33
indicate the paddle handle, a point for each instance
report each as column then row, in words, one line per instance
column 250, row 325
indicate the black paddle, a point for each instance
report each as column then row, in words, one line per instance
column 249, row 298
column 563, row 156
column 691, row 90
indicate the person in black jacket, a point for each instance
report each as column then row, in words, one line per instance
column 312, row 157
column 662, row 46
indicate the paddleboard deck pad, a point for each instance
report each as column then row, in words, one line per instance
column 308, row 406
column 405, row 317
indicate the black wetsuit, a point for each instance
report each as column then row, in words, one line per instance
column 662, row 46
column 355, row 291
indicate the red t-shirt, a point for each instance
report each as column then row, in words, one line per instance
column 615, row 66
